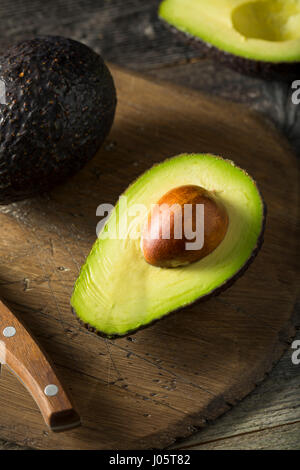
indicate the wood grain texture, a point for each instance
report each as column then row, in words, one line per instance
column 277, row 438
column 23, row 356
column 124, row 31
column 272, row 99
column 272, row 404
column 166, row 381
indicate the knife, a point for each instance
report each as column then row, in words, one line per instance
column 21, row 353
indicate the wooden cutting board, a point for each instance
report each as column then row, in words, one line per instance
column 168, row 380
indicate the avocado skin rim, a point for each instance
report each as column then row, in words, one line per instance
column 213, row 293
column 283, row 71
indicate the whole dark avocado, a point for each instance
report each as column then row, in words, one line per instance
column 59, row 106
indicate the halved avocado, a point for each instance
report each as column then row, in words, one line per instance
column 118, row 292
column 256, row 36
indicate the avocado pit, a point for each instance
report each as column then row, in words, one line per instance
column 185, row 225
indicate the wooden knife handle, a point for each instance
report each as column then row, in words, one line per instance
column 20, row 352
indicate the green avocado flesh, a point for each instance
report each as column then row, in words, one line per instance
column 262, row 30
column 118, row 292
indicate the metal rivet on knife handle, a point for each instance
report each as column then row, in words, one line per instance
column 9, row 331
column 51, row 390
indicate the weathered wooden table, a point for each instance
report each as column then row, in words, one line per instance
column 128, row 33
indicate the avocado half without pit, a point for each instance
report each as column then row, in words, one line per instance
column 135, row 274
column 255, row 36
column 59, row 106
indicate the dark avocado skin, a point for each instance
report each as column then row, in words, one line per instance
column 282, row 71
column 60, row 105
column 214, row 293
